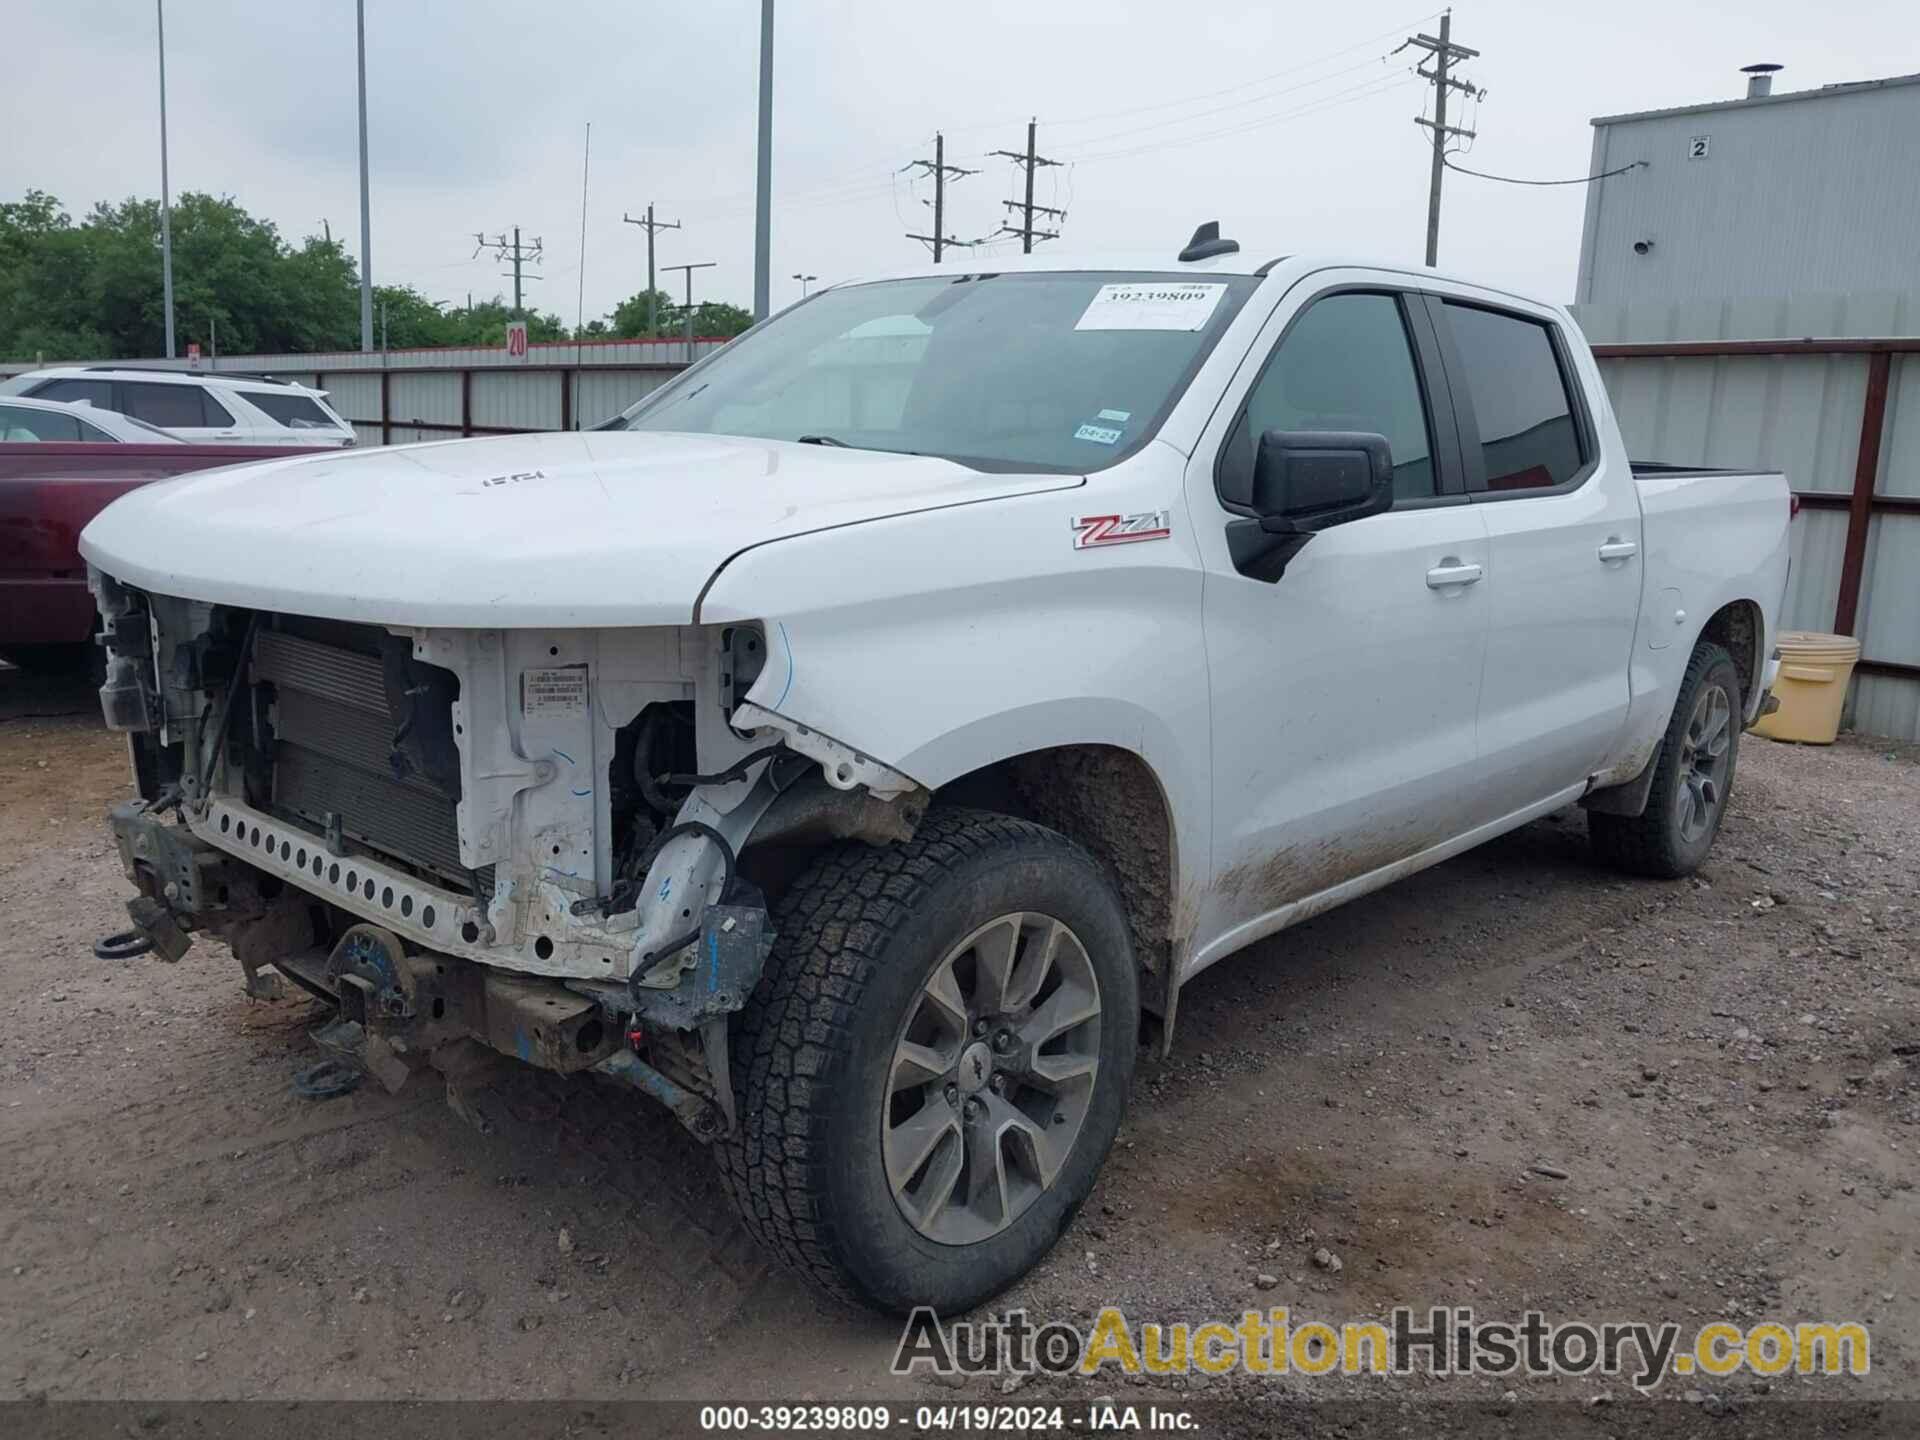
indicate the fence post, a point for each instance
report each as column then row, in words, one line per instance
column 1866, row 471
column 386, row 409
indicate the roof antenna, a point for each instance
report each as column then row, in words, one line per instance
column 1206, row 243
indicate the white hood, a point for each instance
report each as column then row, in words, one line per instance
column 584, row 528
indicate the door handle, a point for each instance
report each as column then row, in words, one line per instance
column 1619, row 550
column 1451, row 572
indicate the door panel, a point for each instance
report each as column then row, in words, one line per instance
column 1564, row 528
column 1345, row 692
column 1344, row 701
column 183, row 410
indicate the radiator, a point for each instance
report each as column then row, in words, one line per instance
column 335, row 734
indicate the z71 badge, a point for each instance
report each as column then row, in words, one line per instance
column 1090, row 531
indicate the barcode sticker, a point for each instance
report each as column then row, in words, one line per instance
column 554, row 692
column 1149, row 305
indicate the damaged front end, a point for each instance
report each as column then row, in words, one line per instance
column 554, row 845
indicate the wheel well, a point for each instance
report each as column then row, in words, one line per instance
column 1737, row 628
column 1109, row 801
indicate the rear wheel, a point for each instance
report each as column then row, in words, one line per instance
column 935, row 1062
column 1693, row 778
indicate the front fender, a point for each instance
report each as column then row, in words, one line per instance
column 940, row 643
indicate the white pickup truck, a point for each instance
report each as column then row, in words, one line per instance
column 857, row 744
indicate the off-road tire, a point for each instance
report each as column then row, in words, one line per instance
column 859, row 933
column 1651, row 842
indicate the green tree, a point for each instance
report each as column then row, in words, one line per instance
column 92, row 289
column 716, row 317
column 710, row 317
column 46, row 272
column 630, row 315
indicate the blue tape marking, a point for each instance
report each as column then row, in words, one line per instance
column 566, row 757
column 789, row 644
column 556, row 870
column 583, row 792
column 713, row 962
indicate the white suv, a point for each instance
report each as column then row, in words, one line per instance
column 204, row 409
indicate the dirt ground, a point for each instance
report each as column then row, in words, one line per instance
column 1721, row 1068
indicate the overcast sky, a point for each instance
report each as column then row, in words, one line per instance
column 1286, row 122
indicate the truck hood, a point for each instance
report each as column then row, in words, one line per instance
column 601, row 528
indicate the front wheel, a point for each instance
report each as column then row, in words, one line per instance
column 935, row 1061
column 1692, row 782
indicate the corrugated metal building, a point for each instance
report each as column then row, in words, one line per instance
column 1769, row 194
column 1753, row 292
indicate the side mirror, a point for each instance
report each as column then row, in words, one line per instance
column 1307, row 480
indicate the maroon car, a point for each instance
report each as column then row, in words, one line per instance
column 49, row 490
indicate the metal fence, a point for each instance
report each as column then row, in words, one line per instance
column 393, row 397
column 1841, row 416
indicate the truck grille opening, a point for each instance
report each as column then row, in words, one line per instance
column 342, row 755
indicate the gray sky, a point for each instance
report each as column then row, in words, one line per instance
column 1282, row 121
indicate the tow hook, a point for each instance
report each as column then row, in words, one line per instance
column 155, row 930
column 123, row 946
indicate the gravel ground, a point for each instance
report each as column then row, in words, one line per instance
column 1514, row 1081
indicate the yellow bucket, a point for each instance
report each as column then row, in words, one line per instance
column 1811, row 687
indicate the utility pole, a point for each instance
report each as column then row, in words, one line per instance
column 763, row 188
column 503, row 249
column 939, row 169
column 366, row 213
column 166, row 196
column 1030, row 162
column 652, row 226
column 700, row 265
column 1444, row 53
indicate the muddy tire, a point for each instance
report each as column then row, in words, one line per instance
column 1692, row 780
column 934, row 1063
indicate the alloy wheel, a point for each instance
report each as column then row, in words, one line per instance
column 992, row 1076
column 1706, row 755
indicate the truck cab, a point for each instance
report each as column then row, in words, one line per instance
column 857, row 744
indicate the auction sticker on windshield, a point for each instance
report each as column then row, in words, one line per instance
column 1174, row 305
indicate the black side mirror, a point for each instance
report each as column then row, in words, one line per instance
column 1307, row 480
column 1303, row 482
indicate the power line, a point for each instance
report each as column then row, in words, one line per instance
column 1367, row 63
column 1444, row 53
column 1029, row 162
column 521, row 255
column 1176, row 103
column 1325, row 102
column 939, row 169
column 1577, row 180
column 689, row 269
column 651, row 226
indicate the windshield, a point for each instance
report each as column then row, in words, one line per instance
column 1063, row 371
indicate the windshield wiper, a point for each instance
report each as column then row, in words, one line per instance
column 823, row 440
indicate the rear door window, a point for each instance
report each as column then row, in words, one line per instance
column 22, row 423
column 94, row 392
column 1529, row 436
column 171, row 407
column 296, row 412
